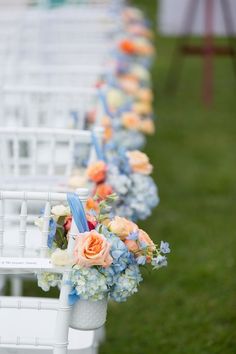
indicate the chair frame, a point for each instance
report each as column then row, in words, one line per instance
column 60, row 341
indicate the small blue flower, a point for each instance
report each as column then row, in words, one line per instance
column 159, row 262
column 73, row 297
column 164, row 247
column 133, row 236
column 143, row 245
column 141, row 260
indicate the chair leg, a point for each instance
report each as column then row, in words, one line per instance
column 2, row 283
column 16, row 286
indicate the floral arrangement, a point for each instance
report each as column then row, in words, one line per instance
column 106, row 259
column 128, row 175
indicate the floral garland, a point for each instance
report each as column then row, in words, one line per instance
column 127, row 175
column 107, row 259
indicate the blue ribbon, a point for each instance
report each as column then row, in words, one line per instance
column 75, row 118
column 77, row 211
column 98, row 149
column 104, row 103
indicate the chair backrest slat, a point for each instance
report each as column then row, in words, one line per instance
column 23, row 226
column 41, row 154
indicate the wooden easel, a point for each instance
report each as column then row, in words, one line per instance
column 208, row 50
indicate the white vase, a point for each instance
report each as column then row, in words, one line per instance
column 88, row 315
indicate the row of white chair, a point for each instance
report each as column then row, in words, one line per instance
column 43, row 156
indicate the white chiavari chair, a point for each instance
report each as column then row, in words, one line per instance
column 46, row 106
column 36, row 325
column 44, row 158
column 56, row 75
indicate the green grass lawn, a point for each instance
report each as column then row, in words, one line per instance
column 190, row 306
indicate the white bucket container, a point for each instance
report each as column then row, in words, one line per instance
column 88, row 315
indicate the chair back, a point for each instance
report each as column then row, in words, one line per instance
column 31, row 255
column 43, row 157
column 46, row 106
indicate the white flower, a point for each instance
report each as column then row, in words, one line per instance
column 39, row 223
column 46, row 280
column 60, row 210
column 61, row 258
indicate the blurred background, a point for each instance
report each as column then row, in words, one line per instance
column 188, row 308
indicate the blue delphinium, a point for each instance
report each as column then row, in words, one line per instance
column 52, row 232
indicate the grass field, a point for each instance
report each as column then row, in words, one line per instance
column 188, row 308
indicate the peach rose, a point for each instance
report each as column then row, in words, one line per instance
column 129, row 84
column 143, row 237
column 142, row 108
column 140, row 30
column 139, row 162
column 136, row 246
column 122, row 227
column 103, row 190
column 144, row 47
column 108, row 131
column 132, row 246
column 92, row 248
column 147, row 126
column 96, row 172
column 145, row 95
column 130, row 120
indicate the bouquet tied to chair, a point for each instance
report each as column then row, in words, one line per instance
column 107, row 256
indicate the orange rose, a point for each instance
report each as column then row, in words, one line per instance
column 130, row 120
column 139, row 162
column 96, row 172
column 92, row 248
column 92, row 204
column 103, row 190
column 147, row 126
column 127, row 46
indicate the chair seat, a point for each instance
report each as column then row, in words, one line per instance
column 27, row 323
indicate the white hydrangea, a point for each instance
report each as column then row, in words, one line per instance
column 46, row 280
column 120, row 183
column 129, row 139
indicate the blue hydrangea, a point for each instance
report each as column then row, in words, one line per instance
column 89, row 283
column 126, row 284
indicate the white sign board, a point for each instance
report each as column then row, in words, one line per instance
column 172, row 13
column 25, row 263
